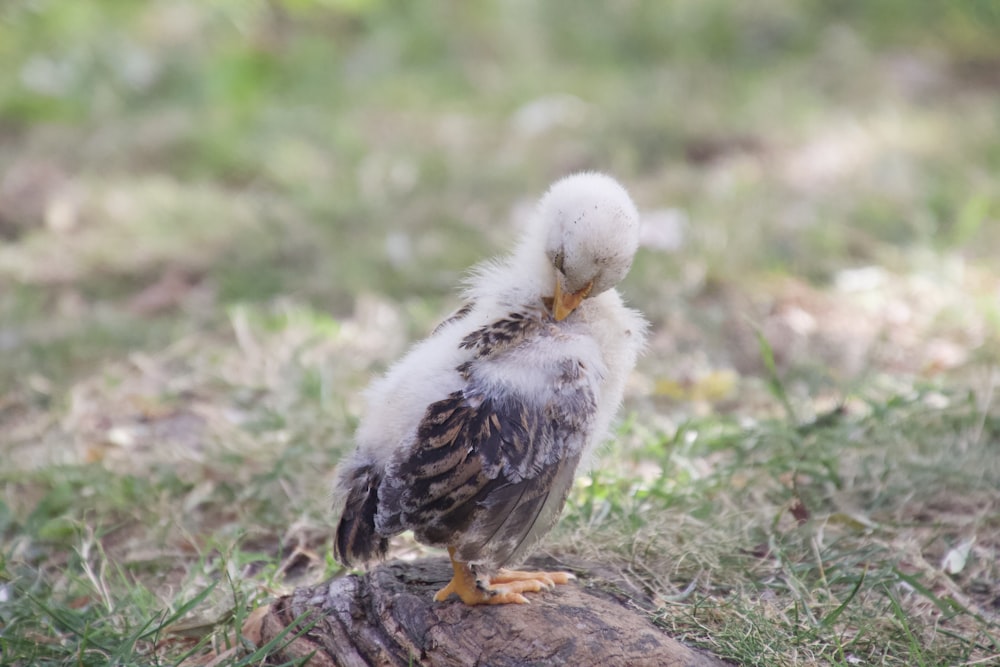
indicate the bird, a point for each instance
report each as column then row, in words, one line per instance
column 473, row 439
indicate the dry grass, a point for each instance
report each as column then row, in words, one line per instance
column 868, row 538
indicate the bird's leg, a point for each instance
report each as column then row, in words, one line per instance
column 465, row 584
column 503, row 588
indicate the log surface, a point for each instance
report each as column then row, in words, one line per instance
column 389, row 617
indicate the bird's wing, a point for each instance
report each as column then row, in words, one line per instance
column 492, row 460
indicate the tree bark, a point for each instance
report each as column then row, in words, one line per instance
column 389, row 617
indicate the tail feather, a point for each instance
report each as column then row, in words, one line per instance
column 357, row 540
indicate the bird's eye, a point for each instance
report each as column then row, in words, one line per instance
column 558, row 260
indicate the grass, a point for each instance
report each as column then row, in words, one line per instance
column 218, row 220
column 814, row 545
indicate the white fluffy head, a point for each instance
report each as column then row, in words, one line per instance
column 590, row 230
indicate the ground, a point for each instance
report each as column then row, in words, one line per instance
column 219, row 220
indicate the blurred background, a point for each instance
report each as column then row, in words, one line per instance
column 220, row 218
column 160, row 161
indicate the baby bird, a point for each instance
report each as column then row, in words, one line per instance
column 472, row 440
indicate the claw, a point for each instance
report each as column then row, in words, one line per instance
column 505, row 587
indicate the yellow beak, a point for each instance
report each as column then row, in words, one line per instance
column 565, row 303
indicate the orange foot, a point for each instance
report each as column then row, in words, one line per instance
column 505, row 587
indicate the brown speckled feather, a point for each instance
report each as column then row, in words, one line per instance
column 456, row 316
column 511, row 330
column 487, row 459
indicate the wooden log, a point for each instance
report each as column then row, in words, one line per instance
column 389, row 617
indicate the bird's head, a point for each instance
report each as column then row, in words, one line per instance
column 591, row 232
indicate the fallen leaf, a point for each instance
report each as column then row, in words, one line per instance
column 711, row 387
column 252, row 626
column 854, row 521
column 166, row 293
column 955, row 560
column 799, row 511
